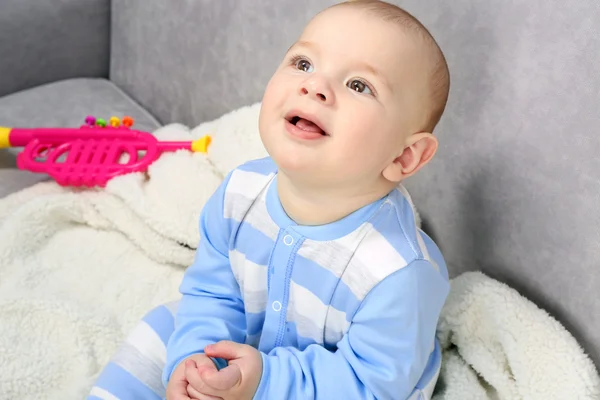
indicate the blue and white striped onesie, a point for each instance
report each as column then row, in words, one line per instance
column 346, row 310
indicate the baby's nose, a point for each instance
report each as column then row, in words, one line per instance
column 318, row 89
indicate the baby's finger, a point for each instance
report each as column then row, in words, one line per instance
column 178, row 391
column 195, row 380
column 196, row 395
column 224, row 379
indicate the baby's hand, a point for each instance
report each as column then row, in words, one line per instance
column 238, row 381
column 196, row 387
column 178, row 384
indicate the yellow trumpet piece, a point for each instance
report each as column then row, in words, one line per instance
column 4, row 137
column 115, row 122
column 201, row 145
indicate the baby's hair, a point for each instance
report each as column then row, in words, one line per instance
column 440, row 75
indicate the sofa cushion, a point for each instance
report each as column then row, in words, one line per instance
column 62, row 104
column 50, row 40
column 67, row 103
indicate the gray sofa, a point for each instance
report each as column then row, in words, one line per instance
column 513, row 189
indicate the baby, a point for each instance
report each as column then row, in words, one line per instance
column 312, row 279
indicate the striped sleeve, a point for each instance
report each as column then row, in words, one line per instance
column 211, row 307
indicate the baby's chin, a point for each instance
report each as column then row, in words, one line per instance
column 292, row 161
column 298, row 163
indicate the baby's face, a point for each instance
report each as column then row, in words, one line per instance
column 345, row 98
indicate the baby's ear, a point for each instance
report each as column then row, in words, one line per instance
column 418, row 151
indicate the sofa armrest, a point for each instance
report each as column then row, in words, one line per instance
column 50, row 40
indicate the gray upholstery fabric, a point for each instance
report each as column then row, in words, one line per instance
column 62, row 104
column 44, row 41
column 514, row 189
column 67, row 103
column 206, row 56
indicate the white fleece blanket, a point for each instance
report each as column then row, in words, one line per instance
column 79, row 268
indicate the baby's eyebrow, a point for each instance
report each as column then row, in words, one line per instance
column 303, row 43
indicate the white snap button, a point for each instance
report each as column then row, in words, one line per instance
column 276, row 306
column 288, row 240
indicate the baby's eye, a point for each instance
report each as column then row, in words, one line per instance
column 304, row 65
column 359, row 86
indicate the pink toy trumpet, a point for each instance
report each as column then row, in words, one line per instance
column 93, row 154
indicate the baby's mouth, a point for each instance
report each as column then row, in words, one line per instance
column 306, row 125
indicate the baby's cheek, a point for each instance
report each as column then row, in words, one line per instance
column 364, row 135
column 357, row 150
column 283, row 85
column 365, row 148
